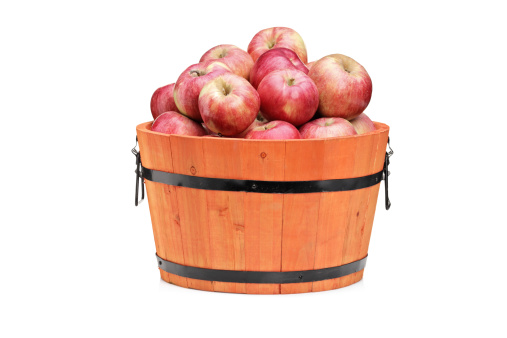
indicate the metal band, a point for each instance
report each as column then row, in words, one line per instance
column 261, row 277
column 271, row 187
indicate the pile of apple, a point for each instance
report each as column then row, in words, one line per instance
column 268, row 92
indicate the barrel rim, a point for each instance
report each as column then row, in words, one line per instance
column 146, row 127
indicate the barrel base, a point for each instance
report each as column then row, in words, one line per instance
column 262, row 289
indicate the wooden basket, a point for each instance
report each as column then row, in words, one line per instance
column 256, row 231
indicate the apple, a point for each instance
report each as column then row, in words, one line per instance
column 189, row 85
column 239, row 61
column 228, row 104
column 274, row 130
column 275, row 59
column 174, row 123
column 327, row 127
column 288, row 95
column 344, row 86
column 277, row 37
column 362, row 124
column 162, row 100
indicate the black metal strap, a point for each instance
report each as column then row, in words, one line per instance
column 261, row 277
column 271, row 187
column 276, row 187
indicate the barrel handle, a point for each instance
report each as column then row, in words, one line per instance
column 139, row 175
column 387, row 173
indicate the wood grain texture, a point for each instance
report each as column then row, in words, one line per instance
column 225, row 211
column 303, row 161
column 155, row 151
column 262, row 232
column 165, row 218
column 188, row 158
column 263, row 212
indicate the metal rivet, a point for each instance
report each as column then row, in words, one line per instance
column 159, row 262
column 193, row 170
column 263, row 155
column 300, row 277
column 254, row 186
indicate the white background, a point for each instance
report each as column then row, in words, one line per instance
column 77, row 258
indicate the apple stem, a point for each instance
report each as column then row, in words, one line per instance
column 226, row 89
column 291, row 82
column 196, row 73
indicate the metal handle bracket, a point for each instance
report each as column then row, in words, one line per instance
column 387, row 173
column 139, row 175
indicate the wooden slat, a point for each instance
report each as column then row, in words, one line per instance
column 263, row 237
column 342, row 213
column 377, row 164
column 304, row 161
column 339, row 161
column 188, row 159
column 155, row 149
column 165, row 218
column 225, row 211
column 263, row 212
column 156, row 153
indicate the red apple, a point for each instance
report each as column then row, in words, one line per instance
column 362, row 124
column 327, row 127
column 189, row 85
column 239, row 61
column 309, row 65
column 275, row 59
column 274, row 130
column 344, row 86
column 162, row 100
column 174, row 123
column 228, row 104
column 277, row 37
column 288, row 95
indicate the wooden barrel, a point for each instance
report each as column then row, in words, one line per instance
column 227, row 230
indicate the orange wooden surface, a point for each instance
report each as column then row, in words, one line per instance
column 262, row 232
column 225, row 212
column 163, row 203
column 263, row 212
